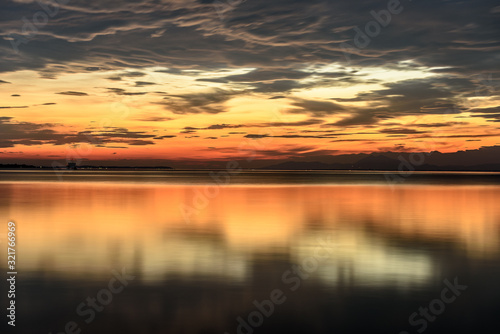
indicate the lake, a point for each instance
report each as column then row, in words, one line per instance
column 254, row 252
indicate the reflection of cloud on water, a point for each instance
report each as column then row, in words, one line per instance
column 191, row 258
column 358, row 259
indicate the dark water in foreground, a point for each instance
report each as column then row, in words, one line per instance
column 336, row 252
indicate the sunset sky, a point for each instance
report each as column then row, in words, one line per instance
column 194, row 81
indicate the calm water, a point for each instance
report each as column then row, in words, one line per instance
column 269, row 252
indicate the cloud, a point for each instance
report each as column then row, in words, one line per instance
column 316, row 108
column 437, row 125
column 121, row 91
column 257, row 34
column 307, row 122
column 120, row 76
column 144, row 83
column 165, row 137
column 365, row 118
column 267, row 75
column 256, row 136
column 492, row 110
column 223, row 126
column 210, row 102
column 490, row 114
column 284, row 151
column 302, row 136
column 154, row 119
column 428, row 96
column 415, row 96
column 23, row 133
column 278, row 86
column 73, row 93
column 14, row 133
column 292, row 136
column 400, row 131
column 471, row 135
column 489, row 117
column 139, row 142
column 13, row 107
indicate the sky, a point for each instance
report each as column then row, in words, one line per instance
column 193, row 82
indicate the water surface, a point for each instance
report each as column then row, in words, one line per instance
column 349, row 252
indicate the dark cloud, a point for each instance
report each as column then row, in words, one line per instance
column 196, row 103
column 73, row 93
column 189, row 129
column 490, row 114
column 302, row 136
column 441, row 108
column 285, row 151
column 139, row 142
column 121, row 91
column 144, row 83
column 154, row 119
column 165, row 137
column 437, row 125
column 256, row 136
column 278, row 86
column 461, row 135
column 4, row 82
column 170, row 71
column 216, row 80
column 404, row 131
column 186, row 130
column 259, row 136
column 429, row 96
column 223, row 126
column 266, row 75
column 490, row 117
column 23, row 133
column 365, row 118
column 316, row 108
column 307, row 122
column 115, row 78
column 14, row 133
column 456, row 36
column 13, row 107
column 492, row 110
column 416, row 96
column 120, row 76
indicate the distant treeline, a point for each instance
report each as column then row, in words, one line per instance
column 123, row 167
column 16, row 166
column 24, row 166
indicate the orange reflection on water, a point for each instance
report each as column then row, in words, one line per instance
column 76, row 228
